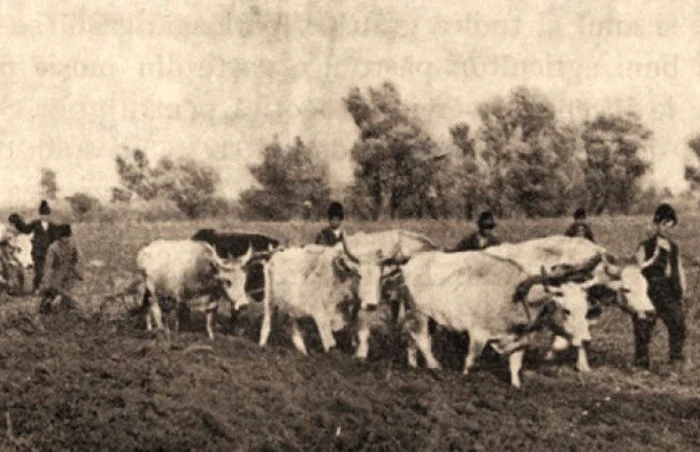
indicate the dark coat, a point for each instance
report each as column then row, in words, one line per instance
column 327, row 237
column 476, row 241
column 658, row 273
column 42, row 238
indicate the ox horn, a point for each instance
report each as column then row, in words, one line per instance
column 216, row 260
column 248, row 255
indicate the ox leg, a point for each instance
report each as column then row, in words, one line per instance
column 363, row 333
column 476, row 346
column 412, row 354
column 362, row 350
column 211, row 309
column 326, row 333
column 210, row 323
column 297, row 338
column 421, row 336
column 515, row 363
column 582, row 359
column 154, row 313
column 266, row 325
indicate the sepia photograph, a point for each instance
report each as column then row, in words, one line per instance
column 265, row 225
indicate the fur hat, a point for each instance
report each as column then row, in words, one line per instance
column 44, row 208
column 486, row 220
column 665, row 213
column 335, row 210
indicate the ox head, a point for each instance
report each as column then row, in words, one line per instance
column 566, row 313
column 629, row 292
column 231, row 273
column 368, row 271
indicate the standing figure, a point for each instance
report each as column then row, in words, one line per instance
column 333, row 233
column 63, row 269
column 44, row 234
column 658, row 257
column 481, row 239
column 580, row 227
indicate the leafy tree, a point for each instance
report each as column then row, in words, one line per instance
column 527, row 153
column 613, row 143
column 692, row 172
column 395, row 159
column 469, row 188
column 48, row 184
column 287, row 178
column 82, row 205
column 121, row 195
column 188, row 183
column 136, row 175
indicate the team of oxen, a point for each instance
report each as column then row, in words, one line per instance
column 500, row 296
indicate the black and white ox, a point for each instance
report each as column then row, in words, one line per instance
column 186, row 271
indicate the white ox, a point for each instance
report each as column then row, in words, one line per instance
column 486, row 296
column 318, row 281
column 184, row 271
column 15, row 255
column 396, row 245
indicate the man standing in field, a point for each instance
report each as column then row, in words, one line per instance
column 63, row 269
column 481, row 239
column 661, row 265
column 44, row 234
column 580, row 227
column 333, row 233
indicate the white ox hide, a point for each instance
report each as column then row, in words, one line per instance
column 395, row 245
column 486, row 297
column 555, row 251
column 185, row 271
column 15, row 254
column 317, row 281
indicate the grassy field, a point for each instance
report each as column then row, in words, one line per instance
column 77, row 382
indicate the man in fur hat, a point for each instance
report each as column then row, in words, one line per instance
column 44, row 234
column 481, row 239
column 659, row 259
column 580, row 227
column 333, row 233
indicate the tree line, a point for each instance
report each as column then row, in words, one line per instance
column 519, row 160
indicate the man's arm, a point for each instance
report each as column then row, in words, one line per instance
column 641, row 255
column 20, row 225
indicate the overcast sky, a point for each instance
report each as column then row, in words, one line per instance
column 82, row 81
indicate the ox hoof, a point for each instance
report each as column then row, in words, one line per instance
column 583, row 369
